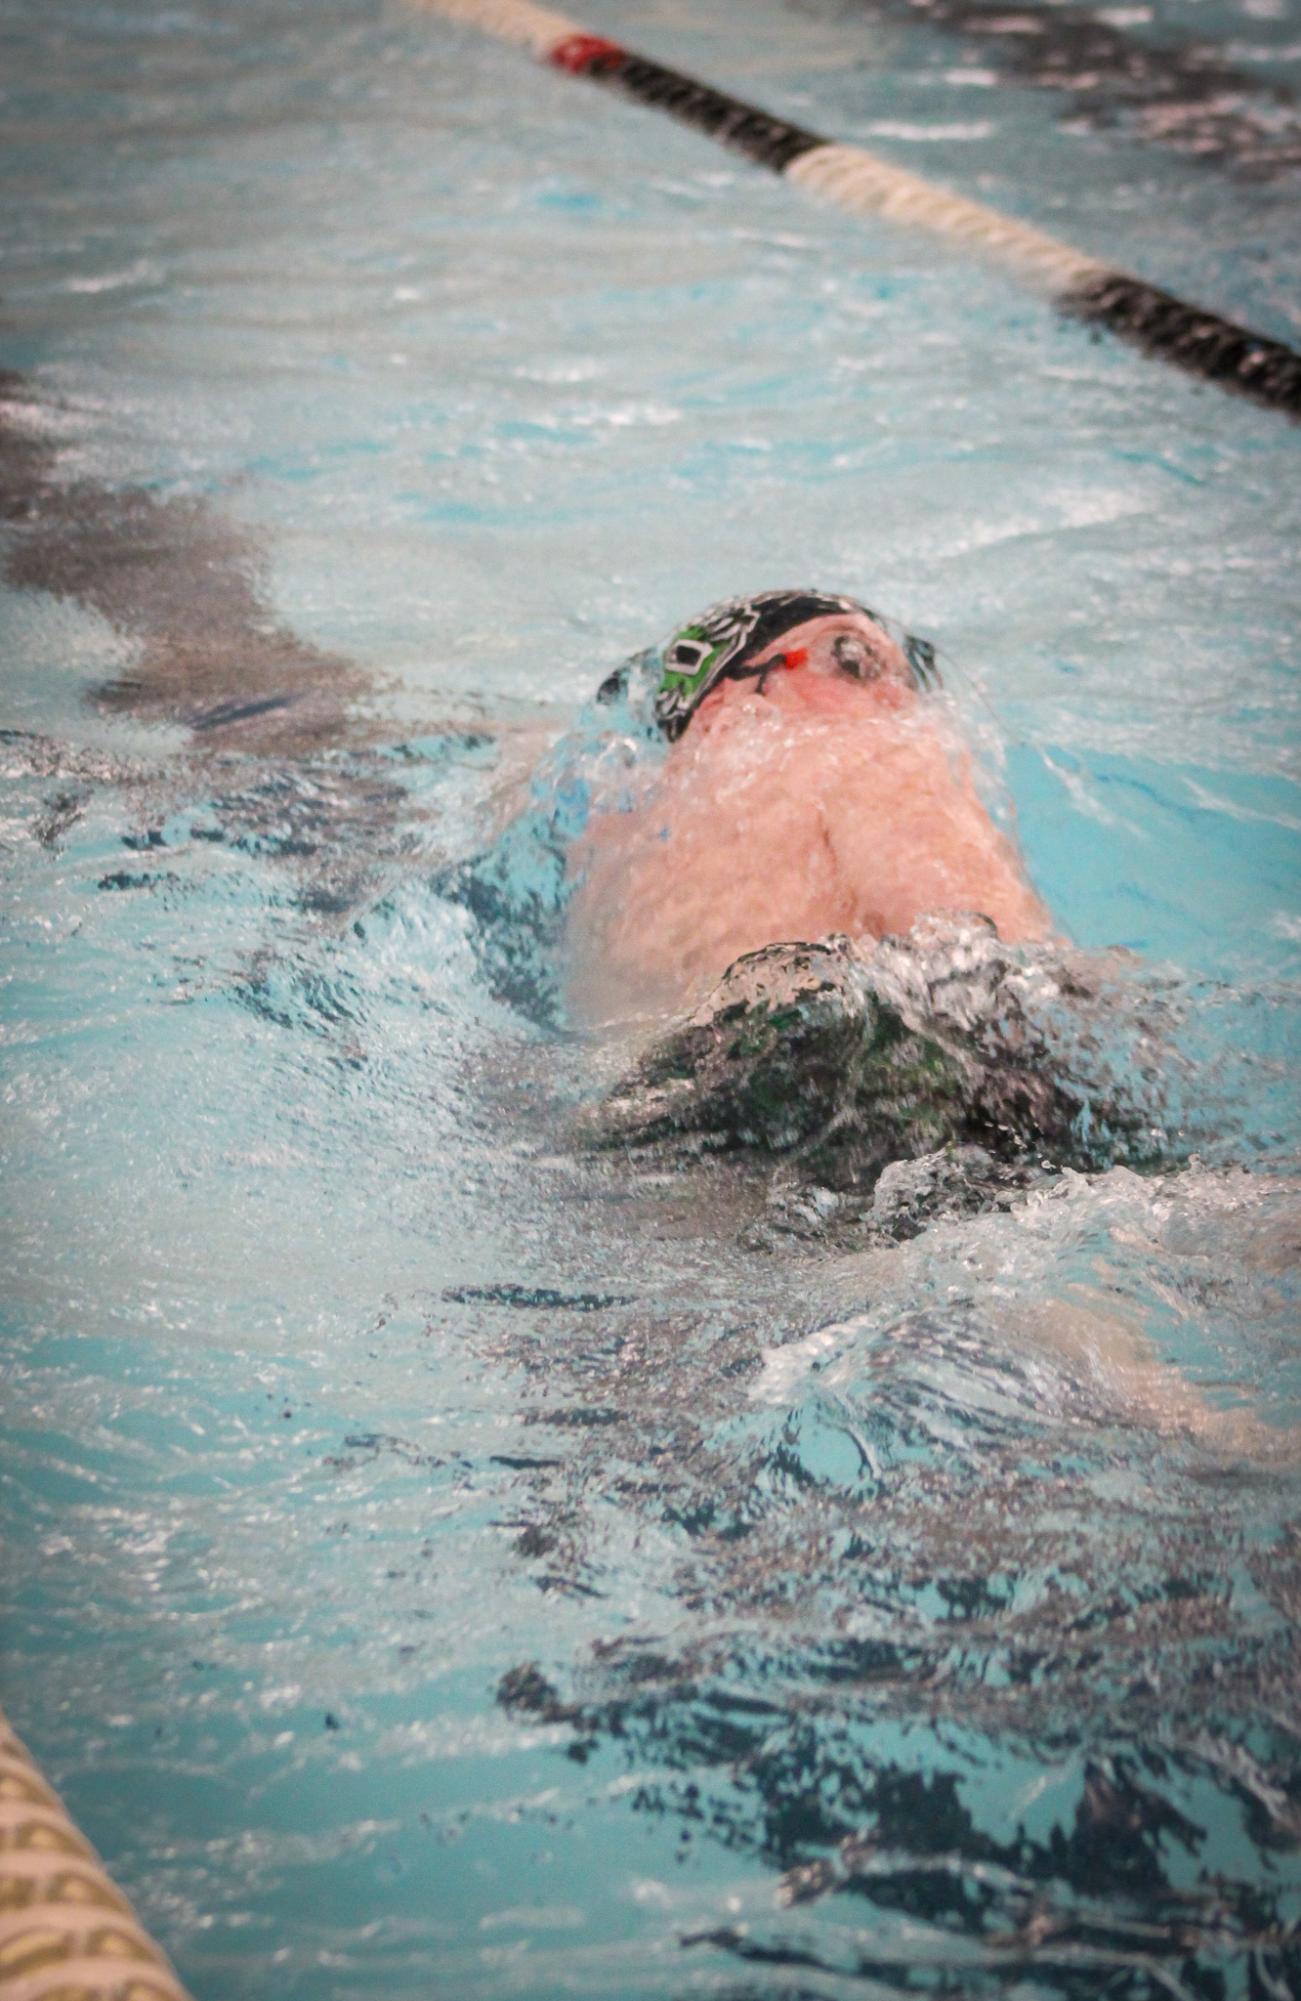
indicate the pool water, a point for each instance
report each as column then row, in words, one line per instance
column 439, row 1560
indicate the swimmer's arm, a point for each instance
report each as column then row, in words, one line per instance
column 1094, row 1334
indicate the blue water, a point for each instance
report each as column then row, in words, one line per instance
column 438, row 1561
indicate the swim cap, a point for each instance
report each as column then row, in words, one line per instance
column 723, row 641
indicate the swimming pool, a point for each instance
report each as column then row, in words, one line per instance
column 441, row 1562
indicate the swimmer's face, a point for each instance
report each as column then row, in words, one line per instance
column 817, row 664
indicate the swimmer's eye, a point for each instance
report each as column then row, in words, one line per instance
column 853, row 656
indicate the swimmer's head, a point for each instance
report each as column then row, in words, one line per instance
column 741, row 640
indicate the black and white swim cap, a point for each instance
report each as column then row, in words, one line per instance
column 723, row 643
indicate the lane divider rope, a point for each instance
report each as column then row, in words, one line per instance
column 1083, row 287
column 66, row 1932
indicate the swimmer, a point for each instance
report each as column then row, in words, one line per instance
column 810, row 789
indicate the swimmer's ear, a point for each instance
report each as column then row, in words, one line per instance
column 920, row 655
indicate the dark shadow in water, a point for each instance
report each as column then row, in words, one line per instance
column 186, row 586
column 1183, row 96
column 291, row 764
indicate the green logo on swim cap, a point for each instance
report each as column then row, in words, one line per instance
column 697, row 657
column 692, row 653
